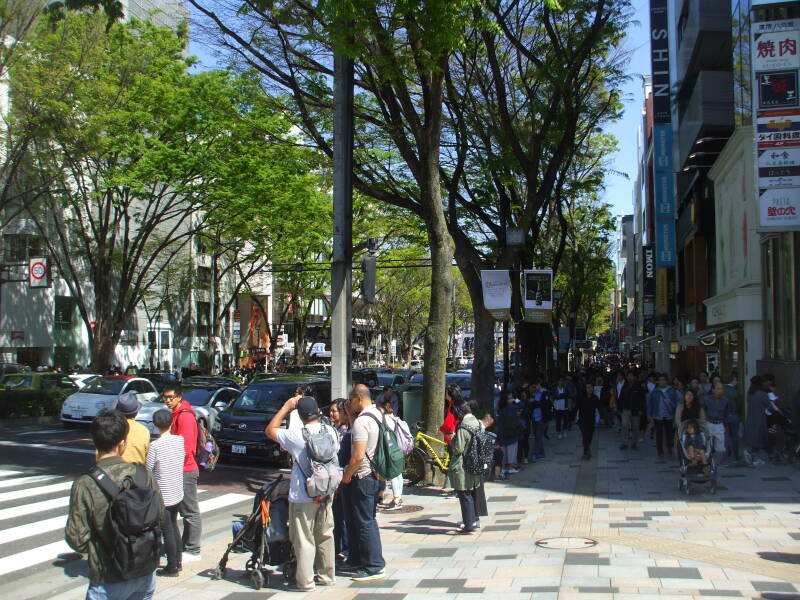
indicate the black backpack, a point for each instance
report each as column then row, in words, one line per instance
column 134, row 513
column 480, row 451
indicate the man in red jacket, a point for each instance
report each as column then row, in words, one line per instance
column 184, row 423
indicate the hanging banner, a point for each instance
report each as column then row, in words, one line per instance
column 538, row 295
column 497, row 293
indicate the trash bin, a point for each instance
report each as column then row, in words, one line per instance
column 412, row 405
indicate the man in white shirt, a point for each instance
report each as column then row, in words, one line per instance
column 310, row 519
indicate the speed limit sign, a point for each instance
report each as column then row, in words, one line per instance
column 38, row 271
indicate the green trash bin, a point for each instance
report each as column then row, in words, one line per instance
column 412, row 405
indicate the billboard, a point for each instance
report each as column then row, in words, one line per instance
column 497, row 293
column 537, row 299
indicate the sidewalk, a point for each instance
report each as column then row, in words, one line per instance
column 630, row 535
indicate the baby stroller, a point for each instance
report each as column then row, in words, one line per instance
column 265, row 534
column 702, row 474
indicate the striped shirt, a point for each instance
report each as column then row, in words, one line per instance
column 165, row 460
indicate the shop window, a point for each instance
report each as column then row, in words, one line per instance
column 164, row 340
column 21, row 247
column 64, row 313
column 203, row 319
column 204, row 278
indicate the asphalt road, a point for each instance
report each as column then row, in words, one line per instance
column 37, row 468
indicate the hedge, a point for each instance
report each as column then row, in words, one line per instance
column 32, row 403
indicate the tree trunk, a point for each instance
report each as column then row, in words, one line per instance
column 483, row 359
column 436, row 336
column 102, row 347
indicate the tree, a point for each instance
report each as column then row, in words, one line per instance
column 136, row 153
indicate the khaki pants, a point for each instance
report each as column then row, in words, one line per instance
column 311, row 533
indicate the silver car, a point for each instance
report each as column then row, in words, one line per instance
column 206, row 402
column 102, row 393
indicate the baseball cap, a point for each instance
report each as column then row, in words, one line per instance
column 307, row 407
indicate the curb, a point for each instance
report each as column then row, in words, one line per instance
column 12, row 423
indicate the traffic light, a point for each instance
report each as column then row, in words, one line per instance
column 368, row 279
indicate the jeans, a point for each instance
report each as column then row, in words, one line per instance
column 311, row 533
column 397, row 486
column 467, row 500
column 538, row 439
column 339, row 523
column 172, row 541
column 190, row 511
column 664, row 435
column 364, row 535
column 141, row 588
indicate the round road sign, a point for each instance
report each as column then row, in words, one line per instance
column 38, row 270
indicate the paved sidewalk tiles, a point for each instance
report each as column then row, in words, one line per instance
column 647, row 540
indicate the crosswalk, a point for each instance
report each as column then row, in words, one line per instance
column 33, row 514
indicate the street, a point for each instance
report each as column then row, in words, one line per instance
column 37, row 468
column 646, row 539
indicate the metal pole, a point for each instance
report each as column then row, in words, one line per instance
column 341, row 269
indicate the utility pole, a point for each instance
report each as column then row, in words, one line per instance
column 342, row 268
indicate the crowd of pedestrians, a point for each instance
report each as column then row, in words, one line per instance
column 344, row 462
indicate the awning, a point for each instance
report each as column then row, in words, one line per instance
column 694, row 339
column 647, row 339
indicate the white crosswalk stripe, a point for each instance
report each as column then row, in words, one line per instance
column 51, row 528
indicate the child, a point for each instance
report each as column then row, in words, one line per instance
column 396, row 484
column 694, row 442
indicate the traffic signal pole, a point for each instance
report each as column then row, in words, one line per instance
column 342, row 268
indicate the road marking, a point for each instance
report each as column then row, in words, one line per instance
column 44, row 432
column 46, row 447
column 45, row 505
column 28, row 558
column 35, row 491
column 27, row 480
column 9, row 473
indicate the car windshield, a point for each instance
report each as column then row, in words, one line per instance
column 386, row 379
column 197, row 397
column 464, row 383
column 104, row 385
column 263, row 398
column 18, row 381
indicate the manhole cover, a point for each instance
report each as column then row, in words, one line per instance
column 406, row 508
column 568, row 543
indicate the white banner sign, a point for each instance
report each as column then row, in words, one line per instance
column 537, row 299
column 779, row 167
column 779, row 207
column 776, row 45
column 497, row 293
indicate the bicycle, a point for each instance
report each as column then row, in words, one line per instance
column 424, row 454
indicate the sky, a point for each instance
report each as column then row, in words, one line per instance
column 618, row 189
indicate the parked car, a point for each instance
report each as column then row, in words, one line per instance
column 81, row 379
column 203, row 380
column 368, row 377
column 160, row 380
column 240, row 430
column 37, row 381
column 462, row 380
column 103, row 392
column 392, row 379
column 308, row 369
column 7, row 367
column 207, row 401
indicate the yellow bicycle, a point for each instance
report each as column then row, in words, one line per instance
column 423, row 454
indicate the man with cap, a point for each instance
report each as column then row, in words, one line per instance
column 310, row 519
column 138, row 439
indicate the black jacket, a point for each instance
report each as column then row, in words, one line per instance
column 632, row 397
column 587, row 405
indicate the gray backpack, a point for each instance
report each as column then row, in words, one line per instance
column 326, row 474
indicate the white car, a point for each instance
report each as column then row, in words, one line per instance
column 206, row 402
column 101, row 393
column 81, row 379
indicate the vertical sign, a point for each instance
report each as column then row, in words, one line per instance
column 538, row 298
column 38, row 272
column 776, row 69
column 649, row 290
column 663, row 178
column 497, row 293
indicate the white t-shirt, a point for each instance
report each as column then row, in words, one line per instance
column 366, row 429
column 293, row 442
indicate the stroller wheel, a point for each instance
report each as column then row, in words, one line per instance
column 257, row 579
column 218, row 573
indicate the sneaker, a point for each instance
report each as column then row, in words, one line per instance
column 476, row 524
column 748, row 458
column 367, row 576
column 394, row 506
column 168, row 572
column 189, row 557
column 293, row 587
column 322, row 582
column 512, row 471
